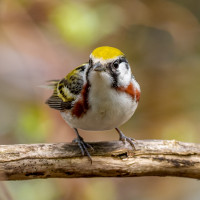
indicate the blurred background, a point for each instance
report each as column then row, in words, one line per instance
column 45, row 39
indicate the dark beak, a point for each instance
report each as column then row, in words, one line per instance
column 99, row 67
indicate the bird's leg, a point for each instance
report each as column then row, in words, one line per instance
column 82, row 145
column 124, row 138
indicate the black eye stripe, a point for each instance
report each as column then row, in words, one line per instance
column 120, row 60
column 114, row 74
column 90, row 62
column 123, row 59
column 116, row 64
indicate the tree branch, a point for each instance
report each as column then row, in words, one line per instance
column 110, row 159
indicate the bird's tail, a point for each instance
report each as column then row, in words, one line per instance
column 51, row 84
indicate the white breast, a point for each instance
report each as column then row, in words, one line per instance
column 108, row 108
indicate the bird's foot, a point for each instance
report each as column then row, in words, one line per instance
column 83, row 147
column 129, row 140
column 124, row 138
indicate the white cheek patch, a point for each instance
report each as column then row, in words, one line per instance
column 124, row 76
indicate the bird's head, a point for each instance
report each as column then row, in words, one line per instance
column 110, row 66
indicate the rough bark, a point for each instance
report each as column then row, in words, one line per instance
column 110, row 159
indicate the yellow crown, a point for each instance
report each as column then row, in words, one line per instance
column 106, row 53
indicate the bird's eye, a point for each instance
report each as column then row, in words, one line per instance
column 116, row 64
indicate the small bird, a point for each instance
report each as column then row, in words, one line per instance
column 101, row 94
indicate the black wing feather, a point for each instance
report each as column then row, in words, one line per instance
column 58, row 104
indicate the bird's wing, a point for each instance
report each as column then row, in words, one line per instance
column 68, row 89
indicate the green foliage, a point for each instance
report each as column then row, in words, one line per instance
column 32, row 124
column 83, row 25
column 32, row 190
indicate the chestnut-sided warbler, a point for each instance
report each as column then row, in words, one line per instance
column 101, row 94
